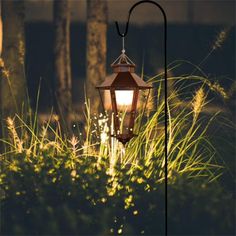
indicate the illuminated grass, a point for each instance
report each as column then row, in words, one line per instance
column 189, row 150
column 95, row 175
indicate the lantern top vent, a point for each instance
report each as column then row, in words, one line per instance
column 123, row 76
column 123, row 64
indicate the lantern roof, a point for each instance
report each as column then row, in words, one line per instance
column 123, row 76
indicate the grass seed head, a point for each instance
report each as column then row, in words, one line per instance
column 4, row 72
column 216, row 87
column 18, row 143
column 220, row 38
column 74, row 141
column 198, row 101
column 21, row 49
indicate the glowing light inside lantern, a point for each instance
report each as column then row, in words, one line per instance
column 124, row 97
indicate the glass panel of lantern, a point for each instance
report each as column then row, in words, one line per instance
column 124, row 111
column 124, row 115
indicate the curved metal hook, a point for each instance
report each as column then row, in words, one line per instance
column 130, row 12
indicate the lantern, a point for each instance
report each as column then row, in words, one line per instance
column 124, row 89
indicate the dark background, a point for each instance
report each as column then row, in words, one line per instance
column 144, row 45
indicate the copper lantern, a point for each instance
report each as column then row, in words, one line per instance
column 123, row 88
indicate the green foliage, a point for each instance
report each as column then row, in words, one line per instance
column 84, row 185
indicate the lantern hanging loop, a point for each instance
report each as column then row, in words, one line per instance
column 123, row 59
column 123, row 45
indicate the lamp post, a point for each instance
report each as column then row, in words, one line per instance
column 124, row 87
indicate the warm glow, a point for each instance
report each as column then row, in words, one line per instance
column 124, row 97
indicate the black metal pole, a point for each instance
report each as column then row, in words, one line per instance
column 165, row 75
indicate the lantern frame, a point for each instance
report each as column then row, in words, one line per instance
column 124, row 78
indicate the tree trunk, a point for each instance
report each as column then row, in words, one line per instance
column 96, row 49
column 1, row 29
column 62, row 60
column 13, row 81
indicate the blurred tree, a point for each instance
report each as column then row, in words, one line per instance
column 96, row 48
column 62, row 62
column 13, row 82
column 0, row 29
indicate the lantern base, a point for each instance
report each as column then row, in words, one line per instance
column 124, row 138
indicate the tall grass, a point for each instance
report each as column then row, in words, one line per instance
column 189, row 150
column 69, row 178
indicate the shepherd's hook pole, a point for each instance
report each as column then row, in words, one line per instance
column 165, row 74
